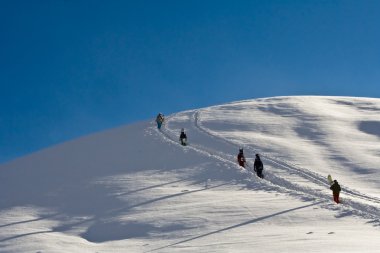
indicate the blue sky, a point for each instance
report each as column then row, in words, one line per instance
column 69, row 68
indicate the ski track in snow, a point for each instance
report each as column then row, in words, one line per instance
column 355, row 202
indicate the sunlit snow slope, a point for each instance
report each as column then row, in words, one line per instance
column 135, row 189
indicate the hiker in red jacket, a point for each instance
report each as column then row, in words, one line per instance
column 241, row 158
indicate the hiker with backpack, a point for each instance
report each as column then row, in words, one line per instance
column 159, row 120
column 183, row 137
column 241, row 159
column 258, row 166
column 335, row 187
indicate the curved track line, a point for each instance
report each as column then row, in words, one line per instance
column 307, row 174
column 278, row 183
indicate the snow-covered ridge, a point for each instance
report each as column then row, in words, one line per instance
column 135, row 189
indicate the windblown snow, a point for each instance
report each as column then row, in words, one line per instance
column 136, row 189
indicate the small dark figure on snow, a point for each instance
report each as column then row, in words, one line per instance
column 160, row 119
column 183, row 137
column 258, row 166
column 335, row 187
column 241, row 158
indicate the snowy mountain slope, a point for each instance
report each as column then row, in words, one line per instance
column 322, row 134
column 135, row 189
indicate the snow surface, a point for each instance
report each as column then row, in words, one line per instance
column 135, row 189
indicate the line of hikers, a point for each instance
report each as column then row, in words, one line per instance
column 258, row 165
column 160, row 119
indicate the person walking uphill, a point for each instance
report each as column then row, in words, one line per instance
column 335, row 187
column 183, row 137
column 160, row 119
column 258, row 166
column 241, row 158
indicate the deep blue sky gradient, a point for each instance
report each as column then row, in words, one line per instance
column 70, row 68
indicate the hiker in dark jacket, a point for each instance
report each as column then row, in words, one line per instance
column 183, row 137
column 258, row 166
column 335, row 187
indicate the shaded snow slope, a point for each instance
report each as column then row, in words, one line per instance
column 135, row 189
column 337, row 136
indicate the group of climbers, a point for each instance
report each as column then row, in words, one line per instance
column 258, row 165
column 160, row 119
